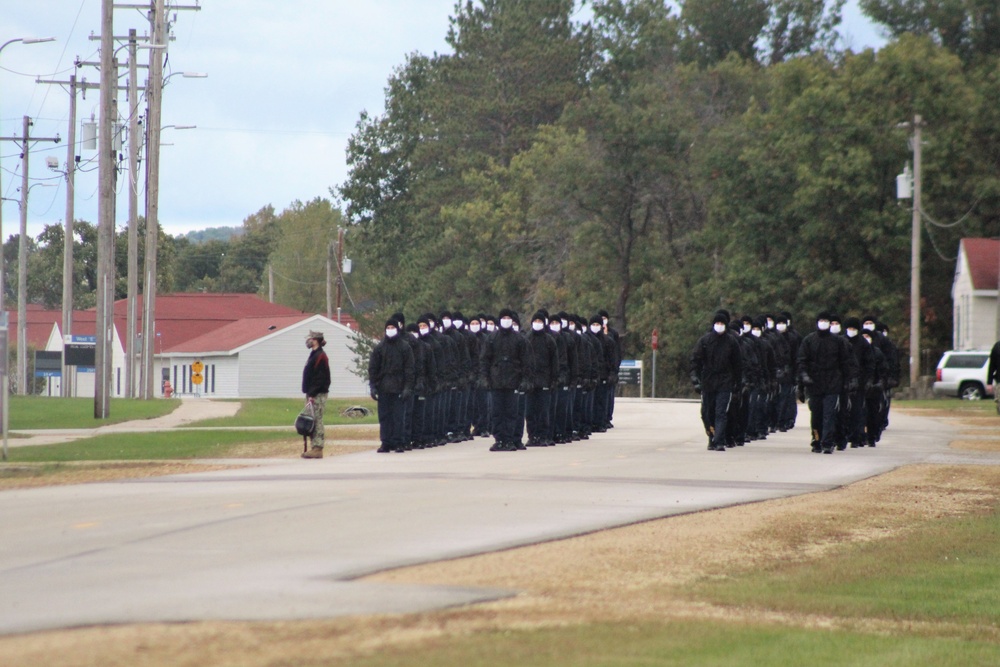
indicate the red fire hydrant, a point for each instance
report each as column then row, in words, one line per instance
column 168, row 389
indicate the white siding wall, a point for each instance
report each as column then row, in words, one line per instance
column 983, row 323
column 974, row 314
column 273, row 367
column 220, row 376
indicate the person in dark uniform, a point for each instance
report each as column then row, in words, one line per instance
column 502, row 364
column 716, row 368
column 390, row 382
column 540, row 378
column 826, row 365
column 316, row 387
column 867, row 377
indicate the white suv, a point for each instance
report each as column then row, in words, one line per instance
column 963, row 374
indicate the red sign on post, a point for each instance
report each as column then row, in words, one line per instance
column 656, row 339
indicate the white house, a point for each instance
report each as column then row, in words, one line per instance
column 974, row 295
column 262, row 357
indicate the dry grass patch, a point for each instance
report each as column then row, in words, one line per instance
column 33, row 475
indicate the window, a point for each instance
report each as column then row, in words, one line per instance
column 967, row 361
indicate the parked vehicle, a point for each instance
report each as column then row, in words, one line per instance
column 963, row 374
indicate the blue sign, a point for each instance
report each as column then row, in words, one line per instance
column 84, row 339
column 48, row 374
column 86, row 369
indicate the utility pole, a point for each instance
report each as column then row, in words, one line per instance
column 915, row 258
column 67, row 292
column 270, row 283
column 70, row 173
column 340, row 266
column 154, row 95
column 105, row 215
column 22, row 259
column 133, row 215
column 329, row 278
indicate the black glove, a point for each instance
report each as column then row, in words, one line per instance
column 802, row 393
column 805, row 379
column 407, row 393
column 523, row 388
column 373, row 392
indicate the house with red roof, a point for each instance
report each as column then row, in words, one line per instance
column 246, row 346
column 974, row 295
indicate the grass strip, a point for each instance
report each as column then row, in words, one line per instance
column 41, row 412
column 163, row 445
column 282, row 412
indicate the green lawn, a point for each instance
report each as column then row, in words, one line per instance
column 686, row 644
column 40, row 412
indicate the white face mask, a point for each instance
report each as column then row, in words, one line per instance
column 868, row 326
column 835, row 328
column 851, row 333
column 506, row 322
column 446, row 323
column 391, row 333
column 555, row 328
column 564, row 323
column 424, row 331
column 746, row 328
column 755, row 333
column 474, row 327
column 516, row 326
column 770, row 324
column 823, row 325
column 781, row 327
column 538, row 326
column 595, row 328
column 458, row 324
column 719, row 327
column 491, row 327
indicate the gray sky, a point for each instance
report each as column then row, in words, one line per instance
column 286, row 83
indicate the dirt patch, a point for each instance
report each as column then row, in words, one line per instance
column 630, row 573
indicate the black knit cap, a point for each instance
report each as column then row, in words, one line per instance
column 457, row 315
column 597, row 319
column 399, row 317
column 446, row 313
column 506, row 312
column 824, row 315
column 720, row 317
column 852, row 323
column 540, row 315
column 391, row 322
column 412, row 328
column 835, row 318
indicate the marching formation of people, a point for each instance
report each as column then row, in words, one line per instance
column 749, row 372
column 445, row 379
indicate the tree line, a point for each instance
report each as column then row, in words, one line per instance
column 660, row 160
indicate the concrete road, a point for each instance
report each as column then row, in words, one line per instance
column 284, row 540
